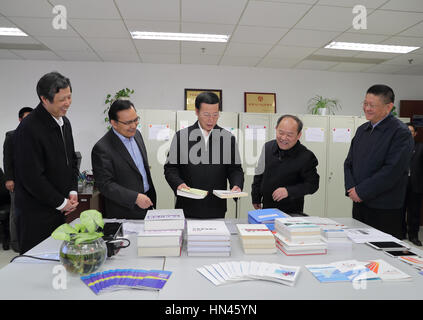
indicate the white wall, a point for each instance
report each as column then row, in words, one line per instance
column 162, row 87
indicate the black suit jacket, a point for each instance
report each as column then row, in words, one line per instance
column 416, row 168
column 189, row 163
column 377, row 163
column 45, row 173
column 118, row 178
column 8, row 166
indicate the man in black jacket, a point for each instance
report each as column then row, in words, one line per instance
column 414, row 196
column 376, row 167
column 9, row 173
column 286, row 170
column 45, row 164
column 204, row 156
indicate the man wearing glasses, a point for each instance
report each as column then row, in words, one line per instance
column 376, row 167
column 204, row 156
column 120, row 166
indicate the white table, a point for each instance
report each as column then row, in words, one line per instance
column 34, row 280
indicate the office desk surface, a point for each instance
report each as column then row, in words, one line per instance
column 34, row 280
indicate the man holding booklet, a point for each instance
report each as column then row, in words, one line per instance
column 203, row 156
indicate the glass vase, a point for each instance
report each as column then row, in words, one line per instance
column 83, row 258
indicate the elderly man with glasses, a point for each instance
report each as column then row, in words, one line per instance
column 120, row 166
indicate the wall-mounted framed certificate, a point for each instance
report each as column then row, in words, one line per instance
column 191, row 94
column 260, row 102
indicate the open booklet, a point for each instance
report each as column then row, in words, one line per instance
column 192, row 193
column 228, row 194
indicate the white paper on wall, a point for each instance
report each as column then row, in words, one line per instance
column 158, row 132
column 342, row 135
column 315, row 135
column 255, row 132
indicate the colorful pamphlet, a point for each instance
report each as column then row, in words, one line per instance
column 118, row 279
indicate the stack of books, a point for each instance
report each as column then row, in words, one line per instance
column 208, row 238
column 161, row 234
column 335, row 235
column 296, row 236
column 256, row 239
column 266, row 216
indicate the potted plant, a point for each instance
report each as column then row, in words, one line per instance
column 323, row 106
column 121, row 94
column 83, row 249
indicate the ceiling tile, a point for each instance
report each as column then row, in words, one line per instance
column 320, row 18
column 389, row 22
column 351, row 67
column 42, row 27
column 157, row 46
column 118, row 56
column 272, row 14
column 207, row 28
column 404, row 5
column 335, row 52
column 315, row 65
column 200, row 59
column 384, row 68
column 247, row 50
column 216, row 11
column 160, row 58
column 152, row 26
column 165, row 10
column 89, row 9
column 115, row 45
column 239, row 61
column 64, row 44
column 308, row 38
column 361, row 37
column 369, row 4
column 78, row 55
column 36, row 54
column 282, row 52
column 404, row 60
column 23, row 40
column 416, row 31
column 266, row 35
column 100, row 28
column 278, row 63
column 19, row 8
column 194, row 47
column 7, row 54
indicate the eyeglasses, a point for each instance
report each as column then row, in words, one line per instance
column 128, row 123
column 210, row 115
column 366, row 105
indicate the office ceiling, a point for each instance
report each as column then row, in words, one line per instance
column 274, row 34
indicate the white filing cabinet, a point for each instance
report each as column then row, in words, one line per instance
column 158, row 128
column 254, row 132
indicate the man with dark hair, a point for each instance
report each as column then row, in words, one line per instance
column 414, row 195
column 376, row 167
column 9, row 175
column 120, row 166
column 45, row 164
column 204, row 156
column 286, row 170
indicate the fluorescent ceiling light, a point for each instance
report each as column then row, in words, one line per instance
column 370, row 47
column 15, row 32
column 179, row 36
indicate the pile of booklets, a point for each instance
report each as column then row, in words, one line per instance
column 266, row 216
column 332, row 232
column 256, row 239
column 119, row 279
column 296, row 236
column 162, row 233
column 352, row 270
column 234, row 271
column 208, row 238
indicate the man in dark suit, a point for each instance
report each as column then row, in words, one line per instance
column 376, row 167
column 9, row 173
column 204, row 156
column 286, row 170
column 45, row 164
column 414, row 196
column 120, row 166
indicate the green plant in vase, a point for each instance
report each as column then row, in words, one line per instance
column 83, row 249
column 323, row 106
